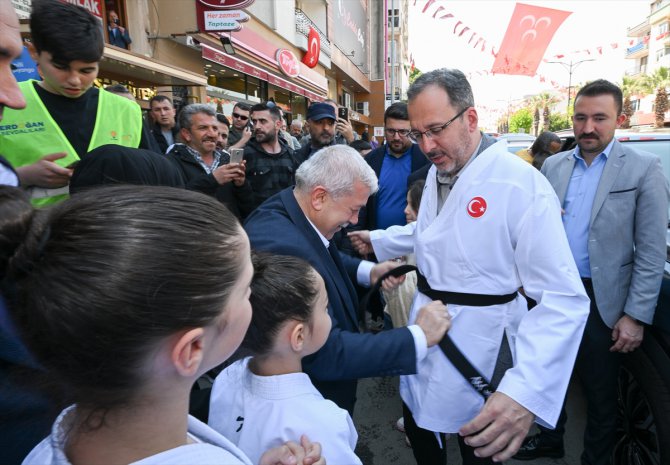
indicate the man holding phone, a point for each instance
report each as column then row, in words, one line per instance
column 203, row 168
column 118, row 35
column 326, row 127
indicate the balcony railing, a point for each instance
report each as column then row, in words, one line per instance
column 640, row 46
column 302, row 25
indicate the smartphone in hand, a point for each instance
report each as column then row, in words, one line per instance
column 343, row 112
column 236, row 155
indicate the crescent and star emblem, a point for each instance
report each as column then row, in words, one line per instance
column 477, row 207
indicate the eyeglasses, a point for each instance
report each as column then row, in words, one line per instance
column 417, row 136
column 242, row 117
column 401, row 132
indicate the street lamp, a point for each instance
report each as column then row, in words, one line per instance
column 569, row 67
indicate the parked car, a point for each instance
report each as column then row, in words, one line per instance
column 517, row 141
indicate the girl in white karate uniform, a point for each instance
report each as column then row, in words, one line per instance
column 126, row 295
column 266, row 400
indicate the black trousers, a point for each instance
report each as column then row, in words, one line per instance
column 597, row 369
column 427, row 450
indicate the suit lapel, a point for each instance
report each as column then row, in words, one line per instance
column 563, row 177
column 615, row 162
column 337, row 276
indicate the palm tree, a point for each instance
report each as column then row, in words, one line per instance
column 658, row 83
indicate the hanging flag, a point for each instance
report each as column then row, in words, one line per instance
column 311, row 57
column 528, row 34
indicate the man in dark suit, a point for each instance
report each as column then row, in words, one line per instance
column 615, row 203
column 393, row 162
column 118, row 35
column 331, row 187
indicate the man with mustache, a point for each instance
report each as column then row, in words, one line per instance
column 271, row 164
column 205, row 169
column 616, row 214
column 484, row 223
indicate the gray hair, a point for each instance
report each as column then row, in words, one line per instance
column 296, row 123
column 336, row 168
column 452, row 81
column 186, row 114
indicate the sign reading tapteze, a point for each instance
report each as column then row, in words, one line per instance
column 221, row 15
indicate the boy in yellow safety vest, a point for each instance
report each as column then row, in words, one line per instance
column 65, row 116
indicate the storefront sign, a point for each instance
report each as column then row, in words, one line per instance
column 226, row 4
column 92, row 6
column 311, row 58
column 25, row 67
column 221, row 15
column 379, row 131
column 288, row 62
column 211, row 54
column 351, row 29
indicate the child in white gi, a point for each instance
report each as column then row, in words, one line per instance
column 266, row 400
column 126, row 296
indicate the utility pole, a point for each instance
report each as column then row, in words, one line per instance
column 570, row 66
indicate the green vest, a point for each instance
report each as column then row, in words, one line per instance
column 28, row 135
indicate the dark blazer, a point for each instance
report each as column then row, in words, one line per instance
column 280, row 226
column 119, row 40
column 376, row 159
column 239, row 200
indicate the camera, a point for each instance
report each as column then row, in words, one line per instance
column 116, row 21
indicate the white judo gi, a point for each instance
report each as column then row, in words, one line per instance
column 260, row 412
column 209, row 447
column 499, row 229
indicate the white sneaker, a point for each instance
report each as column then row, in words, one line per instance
column 400, row 425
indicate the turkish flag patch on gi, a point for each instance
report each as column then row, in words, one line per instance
column 477, row 207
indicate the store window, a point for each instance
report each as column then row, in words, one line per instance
column 256, row 89
column 298, row 107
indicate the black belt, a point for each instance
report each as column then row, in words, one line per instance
column 478, row 382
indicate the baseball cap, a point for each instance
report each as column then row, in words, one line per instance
column 317, row 111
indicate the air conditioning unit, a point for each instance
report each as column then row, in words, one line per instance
column 363, row 107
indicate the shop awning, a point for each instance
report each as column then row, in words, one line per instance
column 143, row 72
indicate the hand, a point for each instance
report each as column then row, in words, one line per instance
column 246, row 135
column 434, row 320
column 229, row 172
column 499, row 429
column 360, row 240
column 121, row 29
column 627, row 335
column 239, row 181
column 344, row 127
column 379, row 269
column 45, row 173
column 292, row 453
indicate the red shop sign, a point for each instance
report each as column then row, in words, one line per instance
column 288, row 62
column 226, row 4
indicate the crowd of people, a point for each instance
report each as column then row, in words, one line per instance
column 187, row 289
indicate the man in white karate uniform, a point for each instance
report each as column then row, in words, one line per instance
column 488, row 224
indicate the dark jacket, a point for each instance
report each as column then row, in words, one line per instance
column 160, row 138
column 269, row 173
column 375, row 159
column 237, row 199
column 119, row 40
column 280, row 226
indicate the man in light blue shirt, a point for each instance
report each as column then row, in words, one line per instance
column 615, row 203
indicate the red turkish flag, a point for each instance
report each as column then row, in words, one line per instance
column 528, row 34
column 311, row 57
